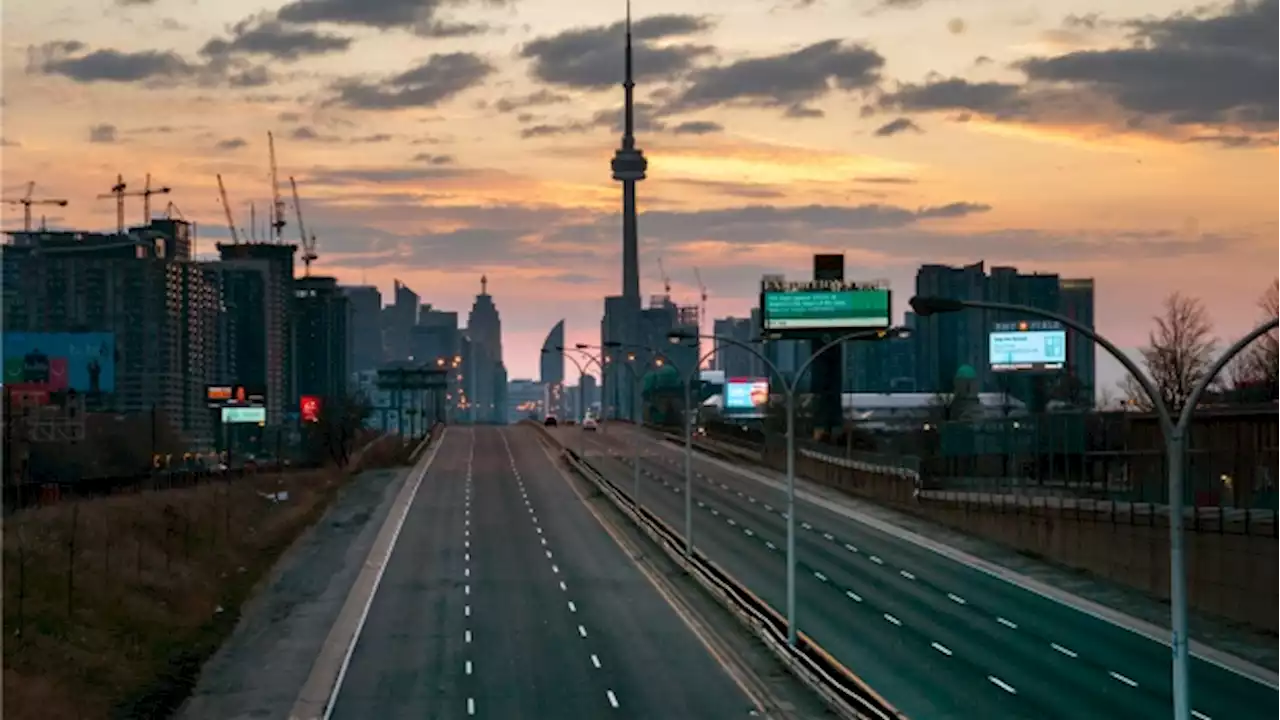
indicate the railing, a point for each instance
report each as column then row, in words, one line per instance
column 846, row 694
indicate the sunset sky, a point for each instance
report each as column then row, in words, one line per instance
column 436, row 140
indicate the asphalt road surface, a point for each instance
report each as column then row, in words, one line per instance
column 505, row 598
column 936, row 638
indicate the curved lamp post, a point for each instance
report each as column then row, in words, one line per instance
column 1175, row 438
column 582, row 348
column 582, row 373
column 655, row 361
column 789, row 389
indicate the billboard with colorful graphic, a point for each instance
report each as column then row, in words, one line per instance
column 55, row 362
column 309, row 408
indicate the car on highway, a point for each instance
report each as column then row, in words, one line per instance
column 589, row 424
column 550, row 421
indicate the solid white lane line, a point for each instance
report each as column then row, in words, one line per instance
column 906, row 575
column 956, row 598
column 942, row 649
column 572, row 607
column 595, row 661
column 582, row 631
column 1002, row 684
column 471, row 706
column 853, row 596
column 1123, row 679
column 468, row 667
column 1064, row 651
column 613, row 699
column 1007, row 623
column 893, row 619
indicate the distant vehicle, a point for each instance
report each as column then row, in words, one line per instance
column 550, row 421
column 590, row 424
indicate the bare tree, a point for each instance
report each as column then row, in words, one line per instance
column 1256, row 371
column 1178, row 354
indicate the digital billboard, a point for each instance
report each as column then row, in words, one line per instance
column 1030, row 349
column 309, row 408
column 237, row 415
column 746, row 393
column 52, row 362
column 223, row 395
column 832, row 310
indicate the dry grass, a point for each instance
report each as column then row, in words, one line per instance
column 112, row 605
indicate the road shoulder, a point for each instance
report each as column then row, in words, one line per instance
column 262, row 667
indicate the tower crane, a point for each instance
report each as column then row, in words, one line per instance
column 26, row 201
column 226, row 207
column 119, row 192
column 277, row 204
column 702, row 288
column 308, row 245
column 666, row 279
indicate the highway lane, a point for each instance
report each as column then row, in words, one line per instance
column 506, row 598
column 1048, row 658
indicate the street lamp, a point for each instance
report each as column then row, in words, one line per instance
column 789, row 388
column 637, row 400
column 582, row 373
column 1175, row 438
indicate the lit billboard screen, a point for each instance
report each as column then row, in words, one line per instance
column 237, row 415
column 825, row 310
column 746, row 393
column 53, row 362
column 1012, row 350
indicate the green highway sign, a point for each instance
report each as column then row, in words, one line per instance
column 825, row 310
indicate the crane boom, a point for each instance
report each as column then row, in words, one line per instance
column 26, row 201
column 277, row 204
column 702, row 288
column 226, row 207
column 666, row 280
column 308, row 244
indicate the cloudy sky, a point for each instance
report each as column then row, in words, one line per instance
column 436, row 140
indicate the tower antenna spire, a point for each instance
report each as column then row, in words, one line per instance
column 628, row 133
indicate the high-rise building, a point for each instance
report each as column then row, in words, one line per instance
column 551, row 369
column 435, row 337
column 365, row 336
column 200, row 335
column 731, row 359
column 320, row 315
column 398, row 320
column 484, row 327
column 275, row 261
column 1076, row 296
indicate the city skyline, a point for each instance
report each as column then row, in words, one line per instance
column 1177, row 178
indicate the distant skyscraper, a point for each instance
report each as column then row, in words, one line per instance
column 320, row 325
column 435, row 337
column 276, row 262
column 365, row 335
column 551, row 368
column 1076, row 296
column 732, row 360
column 398, row 321
column 488, row 374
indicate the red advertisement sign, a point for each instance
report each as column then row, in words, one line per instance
column 309, row 408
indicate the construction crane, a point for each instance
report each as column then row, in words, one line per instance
column 226, row 207
column 277, row 204
column 26, row 201
column 702, row 288
column 118, row 191
column 308, row 245
column 666, row 279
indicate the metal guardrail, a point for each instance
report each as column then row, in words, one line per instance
column 843, row 691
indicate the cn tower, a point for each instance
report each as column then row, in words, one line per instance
column 629, row 166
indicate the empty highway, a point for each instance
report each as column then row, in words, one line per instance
column 505, row 598
column 937, row 638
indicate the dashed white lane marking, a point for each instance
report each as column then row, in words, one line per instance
column 770, row 545
column 747, row 532
column 1199, row 715
column 941, row 648
column 468, row 667
column 466, row 544
column 471, row 706
column 582, row 631
column 1007, row 623
column 806, row 526
column 544, row 542
column 467, row 611
column 466, row 589
column 893, row 619
column 467, row 636
column 466, row 572
column 956, row 598
column 1065, row 651
column 876, row 559
column 906, row 575
column 731, row 521
column 1123, row 679
column 850, row 548
column 555, row 569
column 820, row 576
column 829, row 536
column 1002, row 684
column 853, row 596
column 548, row 554
column 466, row 557
column 572, row 608
column 562, row 586
column 613, row 699
column 595, row 661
